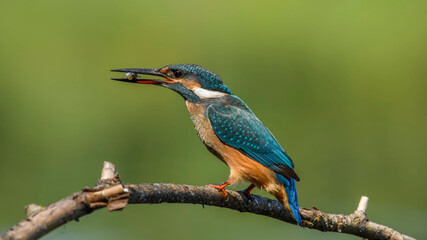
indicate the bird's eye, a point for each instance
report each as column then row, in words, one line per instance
column 177, row 73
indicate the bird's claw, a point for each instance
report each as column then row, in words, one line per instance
column 247, row 194
column 219, row 187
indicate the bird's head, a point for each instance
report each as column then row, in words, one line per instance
column 191, row 81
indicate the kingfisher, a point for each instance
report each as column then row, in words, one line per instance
column 230, row 130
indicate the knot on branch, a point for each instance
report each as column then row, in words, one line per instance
column 320, row 220
column 360, row 213
column 109, row 191
column 32, row 209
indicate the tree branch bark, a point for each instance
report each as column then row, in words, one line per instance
column 111, row 193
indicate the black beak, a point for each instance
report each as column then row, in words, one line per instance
column 132, row 75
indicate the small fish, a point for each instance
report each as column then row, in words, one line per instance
column 131, row 76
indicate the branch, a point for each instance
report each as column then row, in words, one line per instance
column 111, row 193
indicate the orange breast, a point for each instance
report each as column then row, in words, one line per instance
column 241, row 166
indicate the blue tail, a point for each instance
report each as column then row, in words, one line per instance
column 291, row 191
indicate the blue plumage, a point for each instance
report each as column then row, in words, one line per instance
column 238, row 127
column 206, row 78
column 291, row 191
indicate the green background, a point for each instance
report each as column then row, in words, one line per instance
column 341, row 84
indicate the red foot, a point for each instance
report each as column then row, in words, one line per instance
column 247, row 191
column 220, row 187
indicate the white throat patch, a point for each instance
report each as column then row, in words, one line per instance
column 205, row 93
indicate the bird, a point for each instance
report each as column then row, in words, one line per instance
column 229, row 130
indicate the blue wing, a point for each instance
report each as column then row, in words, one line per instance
column 240, row 128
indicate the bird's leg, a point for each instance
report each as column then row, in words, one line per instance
column 221, row 186
column 247, row 191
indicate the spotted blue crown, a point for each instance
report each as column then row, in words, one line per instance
column 206, row 78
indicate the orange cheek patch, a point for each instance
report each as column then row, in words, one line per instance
column 189, row 84
column 164, row 70
column 168, row 80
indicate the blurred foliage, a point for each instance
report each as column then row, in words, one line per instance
column 341, row 84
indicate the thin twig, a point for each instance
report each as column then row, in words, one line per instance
column 363, row 204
